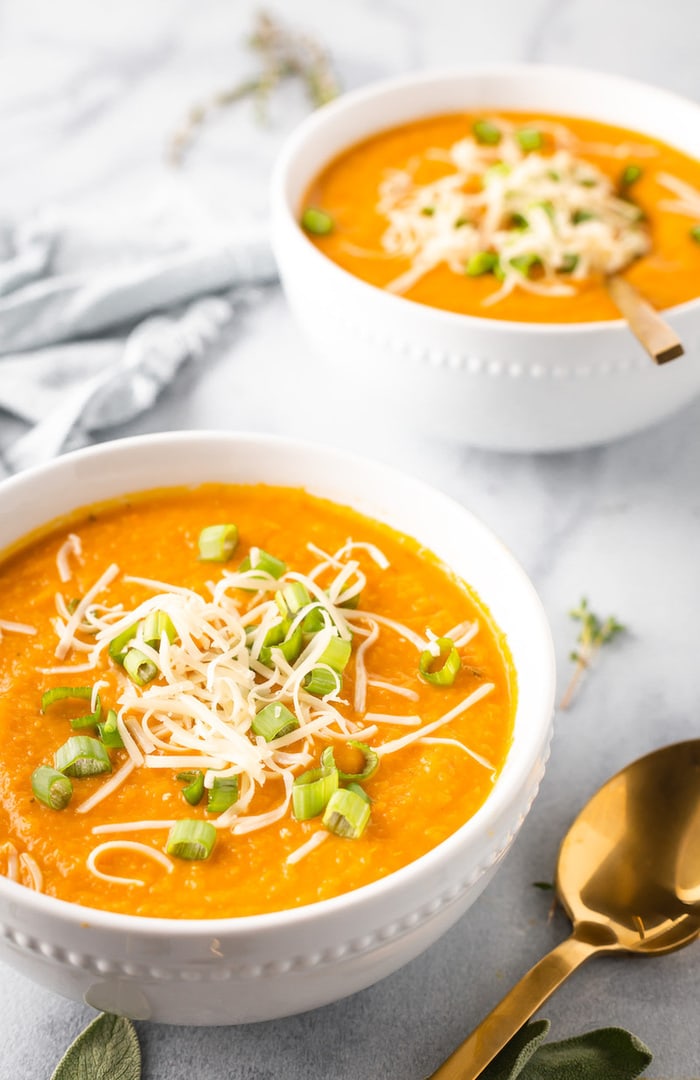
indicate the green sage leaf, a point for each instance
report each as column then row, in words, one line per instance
column 514, row 1057
column 606, row 1054
column 108, row 1049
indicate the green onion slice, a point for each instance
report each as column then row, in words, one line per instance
column 222, row 794
column 695, row 234
column 90, row 719
column 579, row 216
column 483, row 262
column 446, row 674
column 292, row 598
column 569, row 263
column 217, row 543
column 336, row 654
column 359, row 791
column 525, row 263
column 109, row 732
column 191, row 839
column 486, row 133
column 630, row 175
column 194, row 789
column 139, row 667
column 529, row 139
column 427, row 211
column 371, row 762
column 317, row 222
column 321, row 681
column 311, row 792
column 62, row 693
column 51, row 787
column 290, row 647
column 81, row 756
column 119, row 646
column 314, row 621
column 155, row 625
column 346, row 814
column 263, row 563
column 274, row 721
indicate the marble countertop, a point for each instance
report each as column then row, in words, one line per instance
column 88, row 99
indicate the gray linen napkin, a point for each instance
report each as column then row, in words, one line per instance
column 78, row 350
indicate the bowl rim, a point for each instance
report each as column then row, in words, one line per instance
column 486, row 818
column 332, row 113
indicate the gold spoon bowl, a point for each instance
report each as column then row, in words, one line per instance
column 628, row 876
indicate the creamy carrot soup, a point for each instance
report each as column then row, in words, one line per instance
column 234, row 700
column 512, row 216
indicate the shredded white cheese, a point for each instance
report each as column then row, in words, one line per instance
column 552, row 209
column 30, row 873
column 125, row 845
column 72, row 546
column 15, row 627
column 199, row 711
column 311, row 844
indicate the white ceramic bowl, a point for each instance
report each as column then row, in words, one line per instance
column 254, row 968
column 490, row 383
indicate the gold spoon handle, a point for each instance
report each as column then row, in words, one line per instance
column 492, row 1034
column 648, row 326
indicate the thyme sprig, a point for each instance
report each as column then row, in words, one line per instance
column 284, row 54
column 594, row 633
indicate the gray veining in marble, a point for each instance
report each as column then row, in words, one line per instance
column 89, row 94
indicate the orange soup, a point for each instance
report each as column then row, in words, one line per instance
column 233, row 700
column 512, row 216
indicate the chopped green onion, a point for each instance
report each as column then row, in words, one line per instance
column 320, row 682
column 346, row 814
column 82, row 755
column 264, row 563
column 314, row 621
column 217, row 543
column 90, row 719
column 51, row 787
column 630, row 175
column 311, row 792
column 525, row 263
column 529, row 139
column 222, row 794
column 72, row 604
column 447, row 672
column 427, row 211
column 62, row 693
column 548, row 206
column 461, row 222
column 579, row 216
column 369, row 768
column 486, row 133
column 587, row 181
column 274, row 721
column 519, row 221
column 194, row 780
column 316, row 221
column 155, row 625
column 119, row 646
column 191, row 839
column 483, row 262
column 499, row 170
column 109, row 732
column 292, row 598
column 336, row 654
column 290, row 648
column 568, row 263
column 139, row 667
column 695, row 234
column 359, row 791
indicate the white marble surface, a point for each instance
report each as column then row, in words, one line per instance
column 88, row 96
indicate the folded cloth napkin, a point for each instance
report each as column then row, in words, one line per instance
column 78, row 350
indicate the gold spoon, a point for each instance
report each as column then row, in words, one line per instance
column 628, row 876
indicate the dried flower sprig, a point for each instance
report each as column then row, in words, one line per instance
column 594, row 633
column 284, row 54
